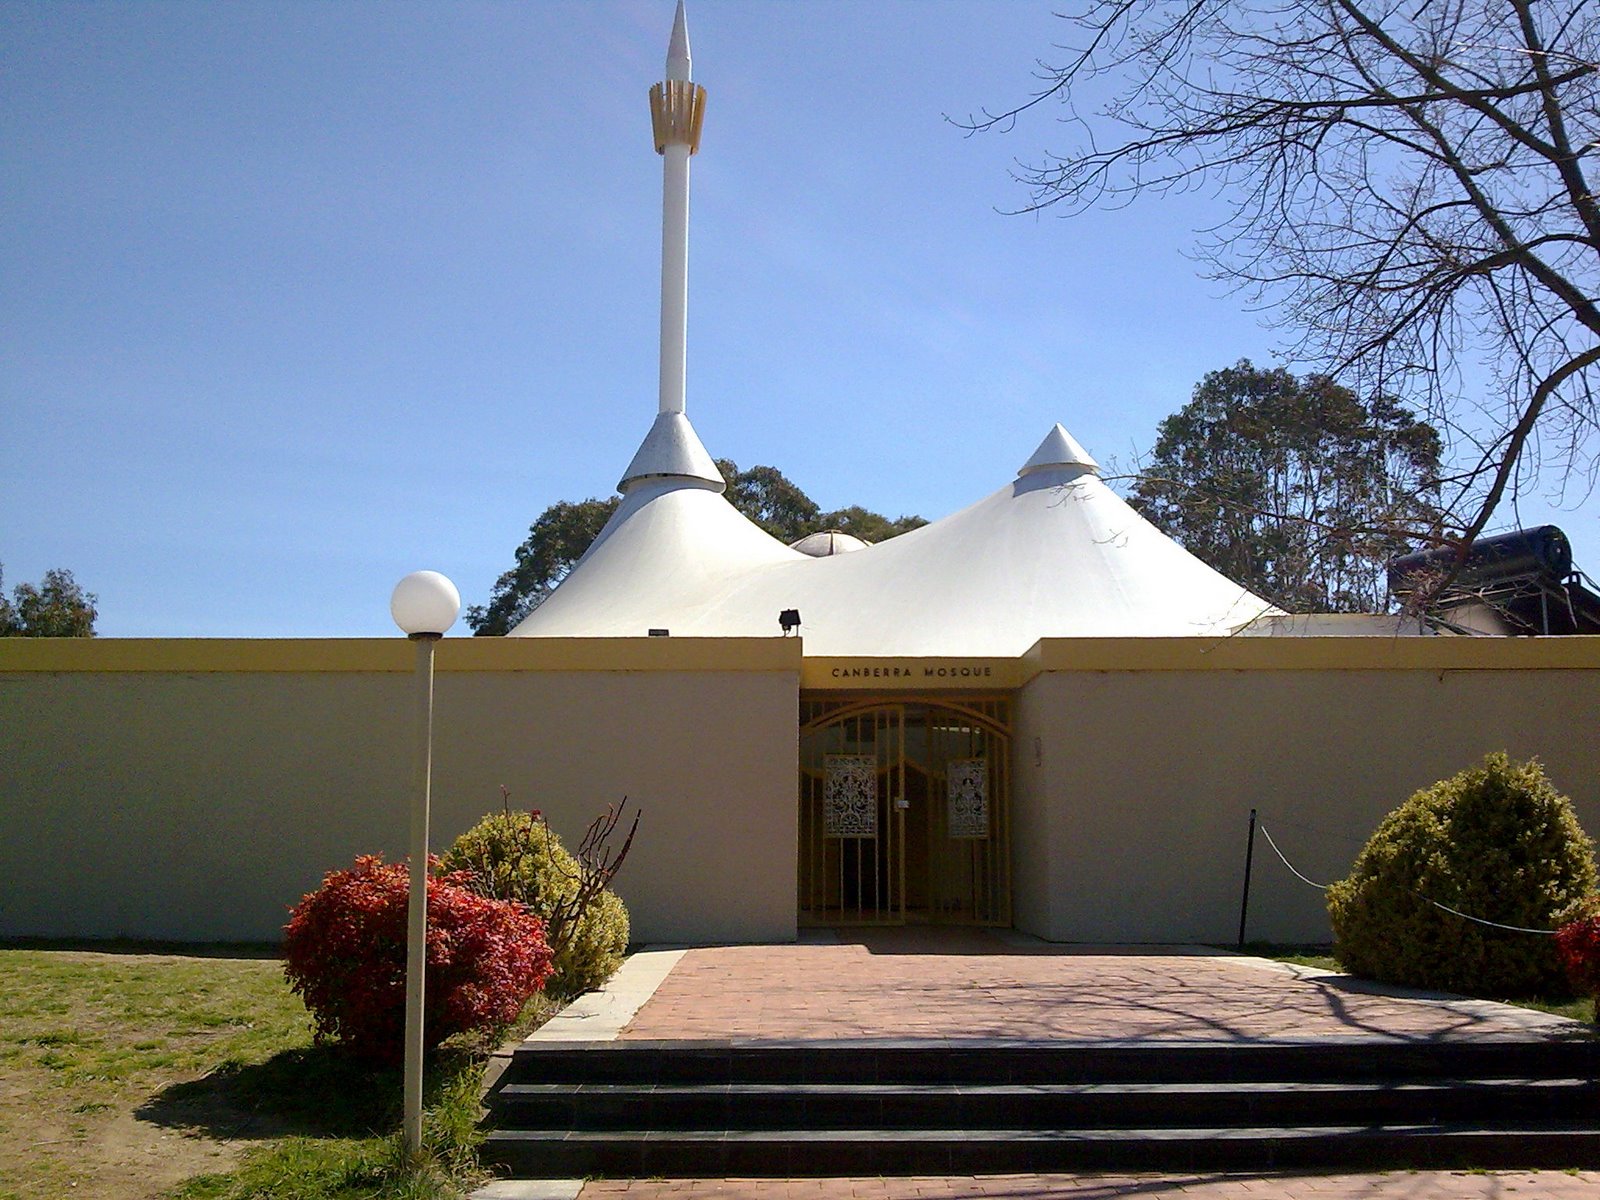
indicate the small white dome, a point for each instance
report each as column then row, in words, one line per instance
column 828, row 541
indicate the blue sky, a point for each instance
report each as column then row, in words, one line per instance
column 298, row 297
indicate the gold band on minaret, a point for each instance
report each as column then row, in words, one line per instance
column 677, row 108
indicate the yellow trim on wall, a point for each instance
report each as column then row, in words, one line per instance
column 1314, row 654
column 469, row 654
column 621, row 654
column 1202, row 654
column 464, row 654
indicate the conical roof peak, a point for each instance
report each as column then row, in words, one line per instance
column 1059, row 449
column 673, row 450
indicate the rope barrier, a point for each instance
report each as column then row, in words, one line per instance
column 1321, row 887
column 1481, row 921
column 1453, row 911
column 1326, row 832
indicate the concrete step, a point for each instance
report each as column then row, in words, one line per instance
column 868, row 1061
column 770, row 1106
column 810, row 1152
column 899, row 1107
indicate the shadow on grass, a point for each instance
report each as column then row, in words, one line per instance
column 142, row 946
column 315, row 1091
column 1280, row 949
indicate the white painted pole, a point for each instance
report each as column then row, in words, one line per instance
column 673, row 112
column 417, row 914
column 424, row 605
column 674, row 276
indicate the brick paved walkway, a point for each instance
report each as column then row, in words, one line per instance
column 1392, row 1186
column 971, row 984
column 954, row 984
column 1400, row 1185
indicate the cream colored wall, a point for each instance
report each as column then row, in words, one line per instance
column 1133, row 827
column 166, row 797
column 710, row 760
column 1034, row 819
column 191, row 806
column 196, row 789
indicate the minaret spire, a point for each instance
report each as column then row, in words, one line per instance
column 678, row 60
column 677, row 106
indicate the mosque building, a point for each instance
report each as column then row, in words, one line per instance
column 1038, row 713
column 905, row 797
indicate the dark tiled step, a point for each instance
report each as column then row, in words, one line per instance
column 1000, row 1106
column 787, row 1153
column 866, row 1061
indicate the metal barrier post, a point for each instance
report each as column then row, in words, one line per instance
column 1249, row 855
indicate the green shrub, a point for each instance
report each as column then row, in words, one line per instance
column 516, row 856
column 1496, row 841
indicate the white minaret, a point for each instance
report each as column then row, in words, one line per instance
column 671, row 450
column 677, row 107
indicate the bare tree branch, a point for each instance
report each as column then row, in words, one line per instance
column 1407, row 189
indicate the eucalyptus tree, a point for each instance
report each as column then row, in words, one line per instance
column 55, row 607
column 1296, row 488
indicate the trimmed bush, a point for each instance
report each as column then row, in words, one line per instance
column 1578, row 943
column 345, row 956
column 516, row 856
column 1496, row 841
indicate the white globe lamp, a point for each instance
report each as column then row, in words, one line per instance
column 424, row 603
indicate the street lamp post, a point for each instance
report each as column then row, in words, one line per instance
column 424, row 605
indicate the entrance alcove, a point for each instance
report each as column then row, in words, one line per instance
column 904, row 810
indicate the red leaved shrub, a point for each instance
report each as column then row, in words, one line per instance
column 345, row 955
column 1578, row 943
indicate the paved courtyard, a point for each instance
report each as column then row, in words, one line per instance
column 1420, row 1185
column 972, row 984
column 901, row 983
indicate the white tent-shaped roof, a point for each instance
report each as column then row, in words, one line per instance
column 1055, row 553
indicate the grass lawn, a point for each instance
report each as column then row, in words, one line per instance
column 130, row 1074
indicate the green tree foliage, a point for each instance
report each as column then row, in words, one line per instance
column 865, row 524
column 1497, row 842
column 57, row 607
column 1404, row 188
column 1295, row 488
column 555, row 542
column 564, row 531
column 767, row 497
column 770, row 499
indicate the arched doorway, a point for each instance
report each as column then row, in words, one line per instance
column 905, row 808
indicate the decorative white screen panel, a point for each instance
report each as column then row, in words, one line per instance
column 850, row 796
column 969, row 798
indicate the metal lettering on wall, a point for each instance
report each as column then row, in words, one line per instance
column 968, row 780
column 850, row 796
